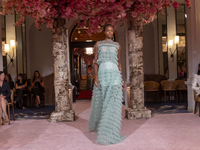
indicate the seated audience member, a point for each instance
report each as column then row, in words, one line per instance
column 4, row 96
column 9, row 80
column 37, row 85
column 21, row 89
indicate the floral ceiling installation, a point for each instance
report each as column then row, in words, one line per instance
column 93, row 13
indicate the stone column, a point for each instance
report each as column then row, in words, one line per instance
column 135, row 52
column 63, row 108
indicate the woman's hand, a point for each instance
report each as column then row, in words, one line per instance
column 96, row 82
column 124, row 87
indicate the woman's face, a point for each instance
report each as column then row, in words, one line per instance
column 2, row 77
column 36, row 74
column 18, row 77
column 6, row 78
column 109, row 32
column 90, row 68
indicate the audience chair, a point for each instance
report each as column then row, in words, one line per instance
column 181, row 86
column 197, row 103
column 11, row 104
column 151, row 86
column 169, row 86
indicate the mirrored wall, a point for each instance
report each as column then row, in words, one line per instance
column 181, row 47
column 3, row 32
column 21, row 56
column 162, row 44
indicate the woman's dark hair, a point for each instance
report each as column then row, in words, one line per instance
column 34, row 77
column 89, row 66
column 104, row 28
column 1, row 72
column 9, row 77
column 198, row 72
column 21, row 75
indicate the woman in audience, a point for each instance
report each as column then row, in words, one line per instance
column 9, row 80
column 21, row 87
column 89, row 78
column 4, row 96
column 37, row 85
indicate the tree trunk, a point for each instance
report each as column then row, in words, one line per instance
column 135, row 50
column 63, row 110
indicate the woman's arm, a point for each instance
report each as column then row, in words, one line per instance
column 42, row 84
column 96, row 66
column 32, row 84
column 25, row 85
column 194, row 84
column 119, row 65
column 18, row 87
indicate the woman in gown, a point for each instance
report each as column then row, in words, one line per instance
column 89, row 78
column 105, row 116
column 195, row 81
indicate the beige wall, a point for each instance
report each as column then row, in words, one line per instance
column 39, row 49
column 149, row 49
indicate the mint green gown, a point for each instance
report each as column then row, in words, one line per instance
column 105, row 116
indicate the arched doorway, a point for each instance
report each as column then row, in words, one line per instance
column 79, row 40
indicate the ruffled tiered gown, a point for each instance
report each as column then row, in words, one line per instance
column 105, row 116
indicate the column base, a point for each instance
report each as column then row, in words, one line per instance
column 59, row 116
column 138, row 113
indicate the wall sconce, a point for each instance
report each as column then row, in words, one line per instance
column 7, row 48
column 170, row 44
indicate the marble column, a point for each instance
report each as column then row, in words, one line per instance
column 135, row 52
column 63, row 105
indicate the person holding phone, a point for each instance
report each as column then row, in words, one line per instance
column 37, row 87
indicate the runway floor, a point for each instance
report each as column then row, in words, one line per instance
column 174, row 131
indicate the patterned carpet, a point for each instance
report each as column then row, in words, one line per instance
column 44, row 112
column 33, row 113
column 167, row 108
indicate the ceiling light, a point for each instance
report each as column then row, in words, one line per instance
column 89, row 50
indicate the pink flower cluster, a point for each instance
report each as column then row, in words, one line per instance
column 91, row 13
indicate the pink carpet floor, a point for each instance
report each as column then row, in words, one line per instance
column 162, row 132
